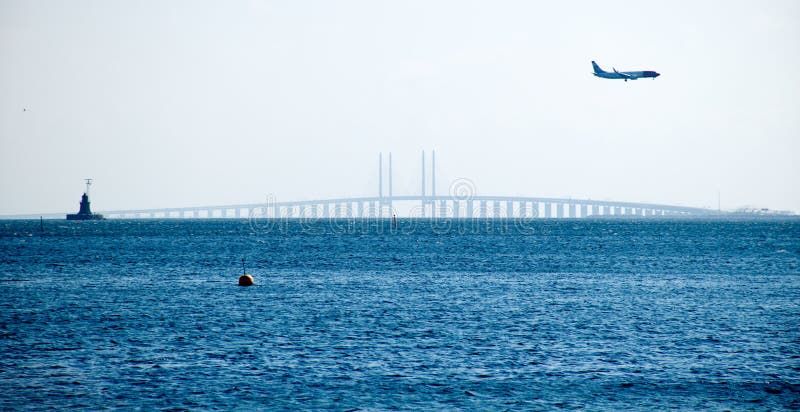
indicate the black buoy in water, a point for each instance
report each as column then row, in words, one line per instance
column 245, row 279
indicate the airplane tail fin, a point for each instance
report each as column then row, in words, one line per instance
column 597, row 68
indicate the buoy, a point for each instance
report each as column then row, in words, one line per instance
column 245, row 280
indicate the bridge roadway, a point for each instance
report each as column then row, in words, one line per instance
column 427, row 206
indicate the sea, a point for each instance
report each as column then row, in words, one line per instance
column 349, row 315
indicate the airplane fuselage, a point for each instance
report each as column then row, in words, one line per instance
column 623, row 75
column 627, row 75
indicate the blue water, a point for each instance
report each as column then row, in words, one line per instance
column 483, row 315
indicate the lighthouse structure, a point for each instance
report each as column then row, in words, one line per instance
column 85, row 211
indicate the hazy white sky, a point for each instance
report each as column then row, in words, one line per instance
column 182, row 103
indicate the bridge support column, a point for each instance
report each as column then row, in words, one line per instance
column 372, row 214
column 548, row 210
column 470, row 210
column 496, row 209
column 442, row 208
column 572, row 210
column 523, row 208
column 584, row 210
column 560, row 209
column 483, row 208
column 456, row 209
column 509, row 208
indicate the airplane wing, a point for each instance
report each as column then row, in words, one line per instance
column 625, row 75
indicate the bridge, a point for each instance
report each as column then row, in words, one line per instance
column 428, row 207
column 460, row 202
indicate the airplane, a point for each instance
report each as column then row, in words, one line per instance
column 622, row 75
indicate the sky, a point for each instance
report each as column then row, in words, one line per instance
column 189, row 103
